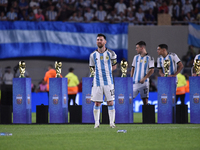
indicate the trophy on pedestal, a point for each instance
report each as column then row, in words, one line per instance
column 91, row 72
column 22, row 69
column 197, row 66
column 58, row 67
column 124, row 66
column 166, row 67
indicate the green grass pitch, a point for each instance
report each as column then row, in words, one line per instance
column 85, row 137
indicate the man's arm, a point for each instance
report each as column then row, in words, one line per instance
column 161, row 72
column 179, row 68
column 132, row 71
column 151, row 71
column 114, row 67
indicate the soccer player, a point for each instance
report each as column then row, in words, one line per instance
column 103, row 61
column 142, row 69
column 193, row 70
column 175, row 64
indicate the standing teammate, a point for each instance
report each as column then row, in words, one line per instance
column 103, row 61
column 142, row 69
column 175, row 64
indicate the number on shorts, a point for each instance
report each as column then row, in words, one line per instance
column 112, row 92
column 145, row 91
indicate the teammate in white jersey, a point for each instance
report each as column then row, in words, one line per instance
column 193, row 70
column 103, row 61
column 175, row 64
column 142, row 69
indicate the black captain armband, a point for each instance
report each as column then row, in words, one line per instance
column 114, row 62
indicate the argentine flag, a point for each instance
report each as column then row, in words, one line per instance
column 66, row 40
column 194, row 35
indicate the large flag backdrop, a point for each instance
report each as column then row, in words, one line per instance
column 194, row 35
column 59, row 39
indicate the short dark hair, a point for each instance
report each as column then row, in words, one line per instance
column 71, row 69
column 141, row 43
column 100, row 34
column 163, row 46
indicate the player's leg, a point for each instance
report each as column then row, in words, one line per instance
column 144, row 92
column 74, row 99
column 97, row 97
column 96, row 112
column 135, row 90
column 109, row 97
column 111, row 113
column 182, row 97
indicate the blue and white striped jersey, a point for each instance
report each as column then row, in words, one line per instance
column 196, row 57
column 173, row 62
column 103, row 62
column 142, row 66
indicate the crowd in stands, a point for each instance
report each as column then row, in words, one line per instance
column 131, row 11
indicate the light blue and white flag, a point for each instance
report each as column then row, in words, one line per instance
column 194, row 35
column 59, row 39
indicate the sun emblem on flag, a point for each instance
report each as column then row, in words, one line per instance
column 55, row 99
column 88, row 98
column 164, row 98
column 121, row 98
column 196, row 98
column 19, row 99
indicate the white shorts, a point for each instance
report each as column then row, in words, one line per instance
column 143, row 89
column 99, row 91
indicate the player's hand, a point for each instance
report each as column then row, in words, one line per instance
column 142, row 80
column 194, row 74
column 162, row 75
column 171, row 76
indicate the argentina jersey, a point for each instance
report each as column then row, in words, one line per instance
column 103, row 62
column 141, row 67
column 173, row 58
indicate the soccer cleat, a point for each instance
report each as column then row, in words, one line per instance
column 96, row 126
column 113, row 125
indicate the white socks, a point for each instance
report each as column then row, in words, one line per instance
column 111, row 113
column 96, row 112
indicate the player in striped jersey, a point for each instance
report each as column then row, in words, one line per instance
column 142, row 69
column 175, row 64
column 103, row 61
column 193, row 70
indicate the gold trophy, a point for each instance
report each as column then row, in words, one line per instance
column 197, row 66
column 166, row 67
column 22, row 69
column 124, row 66
column 91, row 72
column 58, row 68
